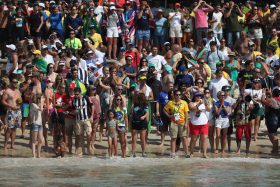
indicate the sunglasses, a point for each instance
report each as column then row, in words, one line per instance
column 72, row 33
column 207, row 92
column 118, row 99
column 76, row 94
column 199, row 82
column 177, row 94
column 222, row 95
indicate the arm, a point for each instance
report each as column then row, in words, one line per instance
column 41, row 24
column 15, row 63
column 157, row 109
column 198, row 5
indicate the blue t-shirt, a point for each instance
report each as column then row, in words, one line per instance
column 162, row 98
column 56, row 21
column 222, row 114
column 131, row 70
column 186, row 79
column 161, row 28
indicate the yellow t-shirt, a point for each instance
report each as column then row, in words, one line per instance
column 274, row 43
column 97, row 39
column 172, row 108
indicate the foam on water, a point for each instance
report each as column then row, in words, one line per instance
column 118, row 161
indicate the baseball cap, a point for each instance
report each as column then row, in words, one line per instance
column 225, row 88
column 44, row 47
column 61, row 63
column 112, row 8
column 11, row 46
column 272, row 6
column 42, row 5
column 160, row 10
column 177, row 4
column 142, row 78
column 36, row 52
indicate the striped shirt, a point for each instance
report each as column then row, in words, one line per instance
column 81, row 104
column 83, row 76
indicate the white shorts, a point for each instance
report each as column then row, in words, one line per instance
column 175, row 32
column 222, row 123
column 255, row 34
column 112, row 32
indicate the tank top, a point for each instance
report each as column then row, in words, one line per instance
column 233, row 72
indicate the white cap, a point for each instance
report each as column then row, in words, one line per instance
column 61, row 63
column 52, row 2
column 44, row 47
column 272, row 6
column 11, row 46
column 42, row 5
column 144, row 69
column 90, row 52
column 112, row 8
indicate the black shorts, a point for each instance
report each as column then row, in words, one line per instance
column 139, row 126
column 36, row 34
column 4, row 35
column 272, row 122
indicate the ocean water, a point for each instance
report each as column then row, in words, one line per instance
column 73, row 171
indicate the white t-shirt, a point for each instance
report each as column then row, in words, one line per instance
column 274, row 58
column 148, row 90
column 217, row 29
column 176, row 20
column 254, row 93
column 202, row 119
column 49, row 59
column 158, row 61
column 216, row 86
column 35, row 114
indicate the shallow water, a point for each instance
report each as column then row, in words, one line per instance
column 139, row 172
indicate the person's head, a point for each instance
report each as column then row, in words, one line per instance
column 117, row 101
column 177, row 95
column 72, row 34
column 243, row 35
column 36, row 7
column 207, row 93
column 171, row 95
column 176, row 48
column 231, row 55
column 154, row 50
column 201, row 62
column 219, row 74
column 170, row 86
column 199, row 82
column 217, row 7
column 257, row 73
column 249, row 65
column 74, row 10
column 74, row 73
column 142, row 80
column 18, row 11
column 191, row 42
column 14, row 82
column 112, row 9
column 210, row 33
column 111, row 114
column 255, row 10
column 128, row 60
column 274, row 32
column 50, row 68
column 61, row 88
column 92, row 90
column 213, row 46
column 167, row 46
column 36, row 98
column 141, row 99
column 144, row 4
column 144, row 52
column 119, row 90
column 276, row 69
column 106, row 71
column 198, row 96
column 221, row 95
column 77, row 92
column 223, row 42
column 270, row 50
column 257, row 84
column 160, row 13
column 183, row 87
column 252, row 46
column 226, row 89
column 143, row 63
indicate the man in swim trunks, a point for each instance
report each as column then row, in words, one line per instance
column 12, row 101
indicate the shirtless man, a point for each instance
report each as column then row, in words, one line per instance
column 12, row 101
column 241, row 45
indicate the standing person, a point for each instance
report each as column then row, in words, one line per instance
column 129, row 19
column 188, row 28
column 11, row 99
column 211, row 121
column 272, row 121
column 201, row 24
column 156, row 60
column 216, row 84
column 82, row 108
column 4, row 17
column 161, row 26
column 139, row 123
column 234, row 28
column 177, row 111
column 73, row 22
column 112, row 124
column 214, row 57
column 199, row 123
column 35, row 118
column 143, row 28
column 162, row 100
column 216, row 22
column 241, row 116
column 221, row 110
column 175, row 31
column 113, row 27
column 36, row 21
column 55, row 20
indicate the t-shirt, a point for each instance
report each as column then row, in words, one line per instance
column 216, row 86
column 56, row 21
column 176, row 20
column 97, row 39
column 158, row 61
column 119, row 115
column 131, row 70
column 41, row 64
column 202, row 119
column 162, row 99
column 217, row 27
column 232, row 23
column 58, row 101
column 213, row 58
column 201, row 18
column 177, row 109
column 74, row 43
column 161, row 27
column 143, row 22
column 184, row 78
column 223, row 113
column 49, row 59
column 35, row 114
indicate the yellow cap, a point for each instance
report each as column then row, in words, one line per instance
column 37, row 52
column 142, row 78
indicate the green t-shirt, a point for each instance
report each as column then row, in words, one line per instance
column 41, row 64
column 73, row 43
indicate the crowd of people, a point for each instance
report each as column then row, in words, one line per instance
column 95, row 70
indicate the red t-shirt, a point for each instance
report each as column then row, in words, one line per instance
column 59, row 101
column 68, row 100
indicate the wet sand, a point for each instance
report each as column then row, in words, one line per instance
column 258, row 149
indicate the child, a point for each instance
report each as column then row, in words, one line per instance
column 35, row 118
column 111, row 124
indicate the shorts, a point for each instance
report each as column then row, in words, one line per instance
column 36, row 127
column 36, row 34
column 179, row 130
column 25, row 110
column 222, row 123
column 139, row 126
column 122, row 130
column 13, row 118
column 112, row 32
column 143, row 34
column 199, row 129
column 272, row 122
column 82, row 126
column 4, row 35
column 175, row 32
column 111, row 135
column 243, row 128
column 69, row 126
column 256, row 34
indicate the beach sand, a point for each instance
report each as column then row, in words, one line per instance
column 258, row 149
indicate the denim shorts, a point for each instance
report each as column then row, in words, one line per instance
column 37, row 128
column 143, row 34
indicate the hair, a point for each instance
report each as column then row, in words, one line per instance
column 77, row 89
column 114, row 102
column 170, row 93
column 141, row 100
column 220, row 93
column 48, row 67
column 36, row 98
column 111, row 111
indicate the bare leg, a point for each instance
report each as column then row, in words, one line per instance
column 172, row 40
column 110, row 147
column 179, row 41
column 123, row 144
column 211, row 133
column 40, row 143
column 257, row 126
column 185, row 144
column 146, row 44
column 204, row 145
column 109, row 47
column 143, row 140
column 140, row 45
column 218, row 137
column 23, row 126
column 13, row 137
column 7, row 137
column 134, row 139
column 192, row 143
column 224, row 140
column 115, row 46
column 34, row 142
column 115, row 145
